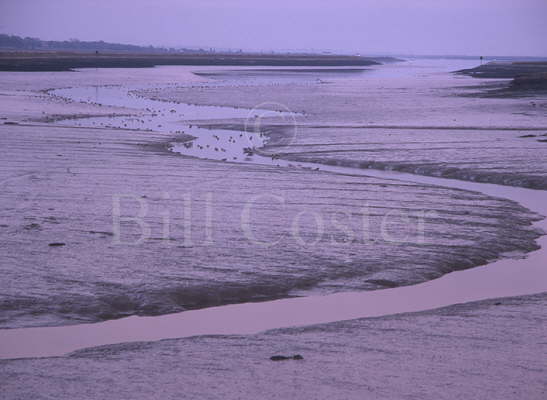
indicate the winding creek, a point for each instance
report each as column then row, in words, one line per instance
column 502, row 278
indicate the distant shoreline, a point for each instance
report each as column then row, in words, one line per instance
column 506, row 70
column 528, row 78
column 65, row 61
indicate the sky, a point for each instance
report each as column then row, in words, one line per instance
column 436, row 27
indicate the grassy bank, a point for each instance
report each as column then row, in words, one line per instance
column 64, row 61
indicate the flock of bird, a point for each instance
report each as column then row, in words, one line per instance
column 243, row 146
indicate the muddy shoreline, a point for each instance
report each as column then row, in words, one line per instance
column 79, row 161
column 486, row 349
column 473, row 350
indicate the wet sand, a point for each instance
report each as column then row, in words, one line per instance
column 470, row 348
column 46, row 184
column 484, row 350
column 435, row 130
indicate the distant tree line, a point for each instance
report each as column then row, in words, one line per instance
column 13, row 42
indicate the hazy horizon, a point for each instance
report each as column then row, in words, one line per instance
column 425, row 27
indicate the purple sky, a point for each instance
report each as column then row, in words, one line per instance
column 474, row 27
